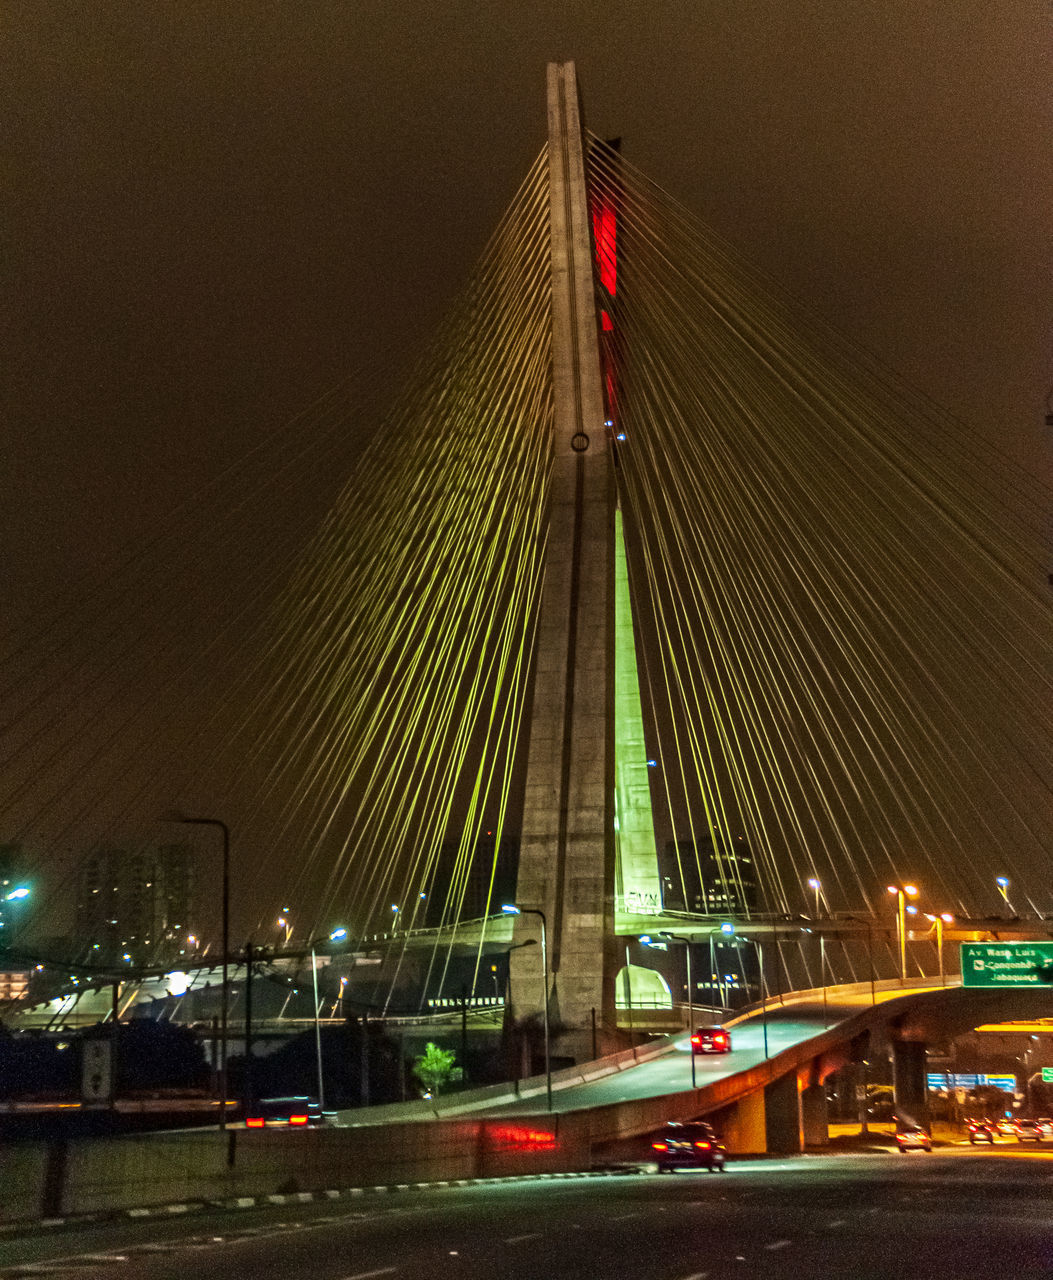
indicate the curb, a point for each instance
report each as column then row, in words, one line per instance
column 26, row 1227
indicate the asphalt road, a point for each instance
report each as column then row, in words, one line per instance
column 966, row 1213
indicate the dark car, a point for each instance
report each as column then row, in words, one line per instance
column 1028, row 1131
column 981, row 1131
column 689, row 1146
column 912, row 1137
column 711, row 1040
column 286, row 1113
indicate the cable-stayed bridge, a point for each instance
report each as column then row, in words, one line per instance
column 645, row 562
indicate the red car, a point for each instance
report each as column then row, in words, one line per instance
column 711, row 1040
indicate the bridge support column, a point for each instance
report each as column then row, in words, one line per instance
column 908, row 1079
column 741, row 1126
column 814, row 1118
column 782, row 1116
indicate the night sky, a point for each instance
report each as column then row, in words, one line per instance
column 214, row 212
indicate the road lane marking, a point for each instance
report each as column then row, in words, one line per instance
column 368, row 1275
column 623, row 1217
column 530, row 1235
column 696, row 1275
column 778, row 1244
column 837, row 1222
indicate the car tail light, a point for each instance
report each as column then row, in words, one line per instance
column 297, row 1119
column 254, row 1122
column 703, row 1146
column 660, row 1146
column 720, row 1039
column 696, row 1039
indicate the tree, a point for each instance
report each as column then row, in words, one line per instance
column 434, row 1067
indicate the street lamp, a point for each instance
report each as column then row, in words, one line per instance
column 1003, row 889
column 817, row 888
column 225, row 899
column 510, row 909
column 677, row 937
column 902, row 892
column 337, row 935
column 939, row 921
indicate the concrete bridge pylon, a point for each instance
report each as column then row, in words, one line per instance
column 569, row 868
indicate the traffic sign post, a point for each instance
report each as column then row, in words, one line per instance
column 96, row 1081
column 1007, row 964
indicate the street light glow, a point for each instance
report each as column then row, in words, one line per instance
column 338, row 934
column 510, row 910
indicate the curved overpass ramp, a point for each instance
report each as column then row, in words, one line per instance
column 767, row 1094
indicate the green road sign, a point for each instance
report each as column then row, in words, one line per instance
column 1047, row 1075
column 1007, row 964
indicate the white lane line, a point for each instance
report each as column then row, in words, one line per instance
column 777, row 1244
column 623, row 1217
column 837, row 1222
column 367, row 1275
column 696, row 1275
column 530, row 1235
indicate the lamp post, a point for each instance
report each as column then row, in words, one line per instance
column 510, row 909
column 677, row 937
column 1003, row 889
column 338, row 935
column 902, row 892
column 225, row 908
column 817, row 888
column 764, row 992
column 939, row 921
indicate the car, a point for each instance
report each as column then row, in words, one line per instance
column 711, row 1040
column 298, row 1112
column 1028, row 1131
column 1045, row 1123
column 981, row 1131
column 1007, row 1126
column 692, row 1145
column 912, row 1137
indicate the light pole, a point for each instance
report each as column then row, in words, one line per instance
column 902, row 892
column 338, row 935
column 939, row 921
column 1003, row 889
column 225, row 908
column 763, row 993
column 817, row 888
column 510, row 909
column 677, row 937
